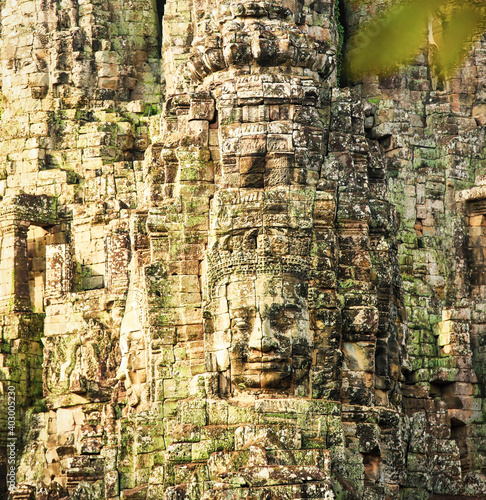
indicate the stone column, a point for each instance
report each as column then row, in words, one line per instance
column 58, row 271
column 14, row 279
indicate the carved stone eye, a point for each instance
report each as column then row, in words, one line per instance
column 292, row 307
column 241, row 324
column 280, row 318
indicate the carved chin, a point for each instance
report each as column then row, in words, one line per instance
column 275, row 380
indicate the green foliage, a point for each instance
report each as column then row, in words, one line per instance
column 340, row 30
column 397, row 36
column 466, row 21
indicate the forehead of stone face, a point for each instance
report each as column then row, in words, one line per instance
column 244, row 286
column 241, row 292
column 268, row 287
column 287, row 297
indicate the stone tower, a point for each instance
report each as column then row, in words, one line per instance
column 224, row 275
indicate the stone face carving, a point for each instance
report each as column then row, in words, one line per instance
column 261, row 331
column 257, row 292
column 270, row 145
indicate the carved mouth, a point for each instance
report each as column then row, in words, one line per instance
column 265, row 358
column 266, row 363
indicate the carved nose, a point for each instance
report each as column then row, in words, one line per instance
column 262, row 337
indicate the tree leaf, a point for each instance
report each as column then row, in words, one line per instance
column 381, row 45
column 393, row 39
column 458, row 35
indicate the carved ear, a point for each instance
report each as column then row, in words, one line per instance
column 224, row 243
column 300, row 368
column 208, row 322
column 251, row 240
column 196, row 65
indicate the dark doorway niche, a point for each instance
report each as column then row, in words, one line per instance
column 342, row 27
column 459, row 433
column 476, row 244
column 160, row 5
column 372, row 467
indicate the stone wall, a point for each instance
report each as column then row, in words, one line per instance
column 224, row 274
